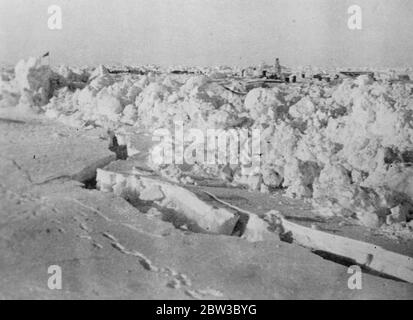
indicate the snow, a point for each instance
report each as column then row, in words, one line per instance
column 264, row 105
column 346, row 145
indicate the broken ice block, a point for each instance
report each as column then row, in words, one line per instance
column 200, row 216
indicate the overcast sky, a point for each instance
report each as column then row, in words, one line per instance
column 209, row 32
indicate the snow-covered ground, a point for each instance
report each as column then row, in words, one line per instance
column 346, row 145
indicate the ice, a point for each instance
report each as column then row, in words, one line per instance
column 347, row 145
column 264, row 105
column 177, row 203
column 33, row 78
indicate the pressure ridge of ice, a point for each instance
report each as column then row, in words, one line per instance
column 347, row 146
